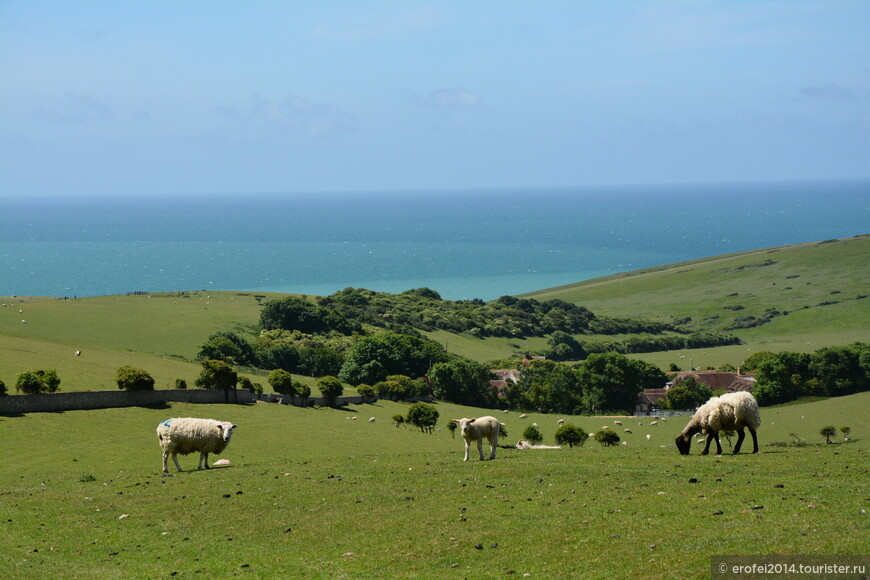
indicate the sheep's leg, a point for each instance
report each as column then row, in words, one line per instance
column 493, row 444
column 203, row 458
column 467, row 446
column 740, row 436
column 175, row 459
column 480, row 447
column 165, row 458
column 754, row 440
column 707, row 447
column 718, row 444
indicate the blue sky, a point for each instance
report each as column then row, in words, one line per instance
column 166, row 97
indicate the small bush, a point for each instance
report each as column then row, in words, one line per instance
column 533, row 435
column 572, row 435
column 36, row 382
column 367, row 392
column 607, row 437
column 87, row 477
column 330, row 389
column 399, row 421
column 134, row 379
column 2, row 388
column 180, row 384
column 828, row 432
column 422, row 415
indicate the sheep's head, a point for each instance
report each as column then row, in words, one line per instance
column 684, row 442
column 463, row 423
column 225, row 430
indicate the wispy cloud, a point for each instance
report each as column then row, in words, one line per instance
column 74, row 109
column 291, row 115
column 828, row 92
column 450, row 99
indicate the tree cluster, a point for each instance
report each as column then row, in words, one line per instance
column 828, row 372
column 38, row 381
column 603, row 382
column 424, row 309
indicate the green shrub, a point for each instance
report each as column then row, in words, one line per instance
column 2, row 388
column 423, row 415
column 134, row 379
column 330, row 389
column 571, row 434
column 399, row 421
column 828, row 432
column 367, row 392
column 607, row 437
column 180, row 384
column 36, row 382
column 281, row 382
column 533, row 435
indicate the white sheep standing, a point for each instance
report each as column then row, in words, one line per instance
column 371, row 419
column 617, row 422
column 524, row 416
column 478, row 429
column 629, row 431
column 188, row 435
column 730, row 412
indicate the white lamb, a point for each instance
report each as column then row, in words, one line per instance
column 523, row 444
column 189, row 435
column 730, row 412
column 478, row 429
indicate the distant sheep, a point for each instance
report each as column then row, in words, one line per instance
column 188, row 435
column 629, row 431
column 654, row 423
column 524, row 416
column 371, row 419
column 648, row 436
column 617, row 422
column 730, row 412
column 478, row 429
column 78, row 353
column 561, row 421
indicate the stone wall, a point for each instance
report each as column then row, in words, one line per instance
column 14, row 404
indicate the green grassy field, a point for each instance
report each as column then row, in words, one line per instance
column 311, row 493
column 163, row 332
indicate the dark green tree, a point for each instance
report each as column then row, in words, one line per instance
column 281, row 382
column 532, row 434
column 571, row 435
column 134, row 379
column 828, row 432
column 293, row 313
column 36, row 382
column 216, row 374
column 330, row 389
column 367, row 392
column 371, row 359
column 423, row 415
column 607, row 437
column 228, row 347
column 462, row 381
column 689, row 394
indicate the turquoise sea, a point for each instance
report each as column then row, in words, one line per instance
column 464, row 244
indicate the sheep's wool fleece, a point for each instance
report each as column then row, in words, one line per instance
column 730, row 411
column 190, row 435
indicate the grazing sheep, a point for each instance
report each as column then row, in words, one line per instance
column 654, row 423
column 561, row 421
column 629, row 431
column 78, row 353
column 478, row 429
column 648, row 436
column 188, row 435
column 617, row 422
column 371, row 419
column 730, row 412
column 524, row 416
column 523, row 444
column 625, row 443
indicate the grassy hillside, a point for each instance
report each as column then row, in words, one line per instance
column 819, row 285
column 822, row 286
column 311, row 493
